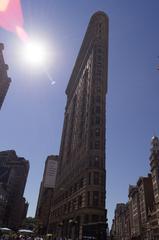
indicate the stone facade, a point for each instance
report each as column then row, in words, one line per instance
column 79, row 197
column 4, row 79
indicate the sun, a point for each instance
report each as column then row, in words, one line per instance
column 35, row 53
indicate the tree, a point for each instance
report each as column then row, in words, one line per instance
column 29, row 223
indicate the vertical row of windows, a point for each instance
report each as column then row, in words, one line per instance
column 95, row 199
column 71, row 126
column 96, row 178
column 99, row 30
column 88, row 199
column 81, row 113
column 83, row 105
column 97, row 100
column 93, row 178
column 64, row 141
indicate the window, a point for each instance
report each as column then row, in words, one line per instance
column 97, row 145
column 75, row 187
column 100, row 25
column 96, row 178
column 88, row 198
column 80, row 201
column 69, row 206
column 71, row 190
column 97, row 82
column 99, row 57
column 97, row 99
column 97, row 109
column 97, row 120
column 96, row 161
column 65, row 208
column 74, row 204
column 89, row 178
column 90, row 162
column 95, row 198
column 81, row 183
column 98, row 89
column 97, row 132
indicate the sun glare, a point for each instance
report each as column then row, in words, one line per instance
column 35, row 53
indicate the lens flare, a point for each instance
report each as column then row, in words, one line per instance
column 22, row 34
column 3, row 5
column 11, row 17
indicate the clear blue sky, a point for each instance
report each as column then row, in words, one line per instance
column 31, row 118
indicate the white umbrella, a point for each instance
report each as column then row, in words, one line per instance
column 25, row 231
column 5, row 229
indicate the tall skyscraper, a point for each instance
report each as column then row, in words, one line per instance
column 79, row 198
column 4, row 79
column 13, row 176
column 46, row 193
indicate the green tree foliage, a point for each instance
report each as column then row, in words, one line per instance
column 29, row 223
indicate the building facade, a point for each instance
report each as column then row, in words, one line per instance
column 79, row 198
column 143, row 204
column 154, row 164
column 13, row 176
column 121, row 223
column 46, row 194
column 146, row 202
column 131, row 220
column 135, row 223
column 4, row 79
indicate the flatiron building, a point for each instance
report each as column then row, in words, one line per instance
column 79, row 199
